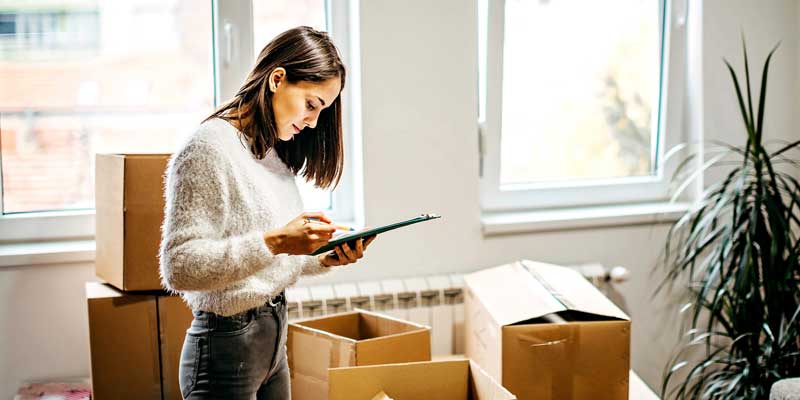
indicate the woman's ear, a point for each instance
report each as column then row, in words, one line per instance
column 276, row 77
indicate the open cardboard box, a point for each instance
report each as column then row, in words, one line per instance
column 441, row 380
column 355, row 338
column 546, row 333
column 129, row 202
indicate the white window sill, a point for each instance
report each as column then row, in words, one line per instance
column 504, row 223
column 39, row 253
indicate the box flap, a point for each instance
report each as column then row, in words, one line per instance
column 484, row 387
column 360, row 325
column 398, row 348
column 572, row 290
column 525, row 290
column 441, row 380
column 311, row 352
column 342, row 326
column 375, row 325
column 510, row 294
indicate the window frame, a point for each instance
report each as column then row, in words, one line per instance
column 79, row 224
column 566, row 194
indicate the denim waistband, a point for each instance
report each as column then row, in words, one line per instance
column 272, row 303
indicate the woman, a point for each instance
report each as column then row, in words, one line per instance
column 234, row 234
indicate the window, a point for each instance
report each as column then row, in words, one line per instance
column 26, row 32
column 79, row 78
column 572, row 105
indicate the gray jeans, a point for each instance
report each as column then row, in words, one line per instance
column 238, row 357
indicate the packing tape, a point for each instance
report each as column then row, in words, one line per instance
column 553, row 292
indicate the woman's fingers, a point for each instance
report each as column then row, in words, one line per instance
column 322, row 229
column 344, row 254
column 340, row 255
column 317, row 215
column 359, row 248
column 349, row 252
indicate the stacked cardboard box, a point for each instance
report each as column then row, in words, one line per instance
column 136, row 330
column 129, row 202
column 135, row 343
column 545, row 332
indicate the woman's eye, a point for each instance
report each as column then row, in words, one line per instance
column 309, row 106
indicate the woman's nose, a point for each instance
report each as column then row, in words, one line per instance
column 311, row 120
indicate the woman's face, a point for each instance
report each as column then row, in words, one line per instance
column 298, row 105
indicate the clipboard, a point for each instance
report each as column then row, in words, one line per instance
column 372, row 231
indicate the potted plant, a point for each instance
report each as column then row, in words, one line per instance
column 735, row 256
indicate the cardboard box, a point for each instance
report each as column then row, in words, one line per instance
column 129, row 202
column 174, row 318
column 441, row 380
column 510, row 311
column 355, row 338
column 123, row 337
column 135, row 343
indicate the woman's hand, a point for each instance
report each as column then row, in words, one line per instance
column 300, row 235
column 343, row 254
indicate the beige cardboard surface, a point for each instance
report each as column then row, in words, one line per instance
column 482, row 335
column 130, row 210
column 483, row 387
column 573, row 290
column 567, row 361
column 385, row 350
column 174, row 318
column 123, row 344
column 537, row 359
column 346, row 325
column 349, row 339
column 445, row 380
column 109, row 196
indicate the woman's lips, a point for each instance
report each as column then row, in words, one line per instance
column 296, row 129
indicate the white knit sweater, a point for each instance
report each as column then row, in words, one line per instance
column 220, row 200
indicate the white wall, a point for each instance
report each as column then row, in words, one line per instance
column 764, row 24
column 43, row 324
column 420, row 155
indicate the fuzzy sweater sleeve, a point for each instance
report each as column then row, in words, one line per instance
column 312, row 266
column 195, row 253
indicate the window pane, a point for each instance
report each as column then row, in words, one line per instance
column 81, row 77
column 580, row 89
column 270, row 18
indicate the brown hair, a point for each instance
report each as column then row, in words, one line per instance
column 307, row 55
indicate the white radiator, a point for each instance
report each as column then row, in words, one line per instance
column 436, row 301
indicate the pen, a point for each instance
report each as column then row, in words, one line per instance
column 339, row 227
